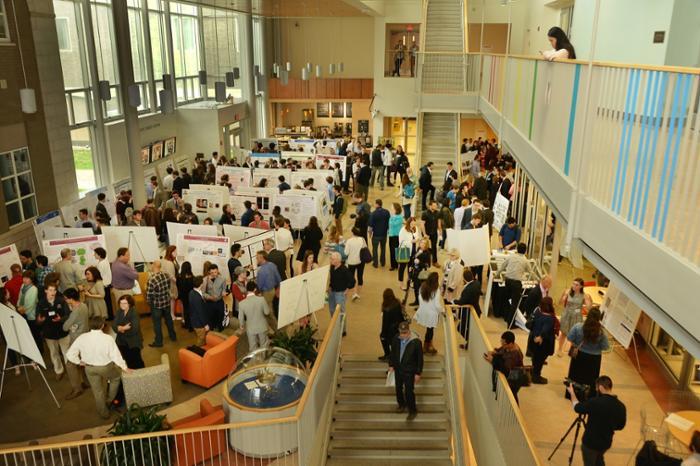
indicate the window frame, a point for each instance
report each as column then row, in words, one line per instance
column 15, row 178
column 66, row 22
column 5, row 23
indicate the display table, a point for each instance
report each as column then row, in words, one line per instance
column 496, row 281
column 597, row 294
column 267, row 384
column 684, row 436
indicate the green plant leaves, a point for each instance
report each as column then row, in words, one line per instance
column 301, row 343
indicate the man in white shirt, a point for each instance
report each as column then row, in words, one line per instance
column 98, row 353
column 284, row 242
column 105, row 269
column 459, row 213
column 168, row 180
column 388, row 160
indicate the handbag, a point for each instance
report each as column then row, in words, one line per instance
column 365, row 255
column 403, row 255
column 520, row 376
column 573, row 351
column 423, row 274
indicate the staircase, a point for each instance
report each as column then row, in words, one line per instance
column 444, row 32
column 367, row 430
column 439, row 142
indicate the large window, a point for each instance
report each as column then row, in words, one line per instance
column 221, row 48
column 4, row 29
column 81, row 139
column 186, row 46
column 17, row 185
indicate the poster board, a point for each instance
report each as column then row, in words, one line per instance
column 473, row 245
column 271, row 175
column 121, row 185
column 71, row 211
column 302, row 295
column 176, row 230
column 319, row 177
column 18, row 336
column 299, row 206
column 250, row 247
column 141, row 241
column 65, row 232
column 296, row 155
column 237, row 176
column 82, row 249
column 206, row 203
column 263, row 157
column 44, row 222
column 8, row 257
column 333, row 159
column 237, row 233
column 198, row 249
column 620, row 315
column 307, row 144
column 265, row 198
column 500, row 211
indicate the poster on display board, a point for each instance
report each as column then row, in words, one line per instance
column 121, row 185
column 82, row 249
column 263, row 157
column 205, row 203
column 319, row 177
column 620, row 315
column 141, row 241
column 332, row 160
column 237, row 233
column 198, row 249
column 8, row 257
column 302, row 295
column 18, row 336
column 44, row 222
column 500, row 211
column 271, row 175
column 251, row 246
column 299, row 206
column 265, row 198
column 473, row 245
column 66, row 232
column 306, row 144
column 71, row 211
column 238, row 177
column 178, row 230
column 298, row 156
column 182, row 161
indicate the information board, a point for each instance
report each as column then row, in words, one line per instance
column 198, row 249
column 500, row 211
column 620, row 315
column 82, row 249
column 8, row 257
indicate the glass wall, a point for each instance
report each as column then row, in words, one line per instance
column 221, row 48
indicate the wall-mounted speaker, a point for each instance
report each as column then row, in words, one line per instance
column 220, row 91
column 104, row 91
column 166, row 101
column 203, row 78
column 230, row 80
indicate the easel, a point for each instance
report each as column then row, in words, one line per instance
column 305, row 295
column 138, row 246
column 22, row 365
column 617, row 344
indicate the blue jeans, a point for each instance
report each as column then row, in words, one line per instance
column 157, row 315
column 336, row 298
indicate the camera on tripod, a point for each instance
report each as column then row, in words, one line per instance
column 581, row 390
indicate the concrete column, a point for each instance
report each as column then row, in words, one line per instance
column 248, row 76
column 131, row 118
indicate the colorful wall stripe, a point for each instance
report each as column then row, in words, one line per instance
column 572, row 120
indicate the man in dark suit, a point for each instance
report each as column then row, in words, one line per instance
column 450, row 173
column 469, row 296
column 277, row 257
column 406, row 360
column 535, row 295
column 363, row 180
column 198, row 314
column 425, row 182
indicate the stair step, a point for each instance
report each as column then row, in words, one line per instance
column 388, row 417
column 380, row 382
column 388, row 434
column 395, row 443
column 360, row 390
column 389, row 462
column 388, row 407
column 416, row 424
column 383, row 398
column 349, row 369
column 388, row 454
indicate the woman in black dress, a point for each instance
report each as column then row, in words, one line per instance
column 588, row 342
column 126, row 325
column 184, row 286
column 311, row 237
column 540, row 343
column 422, row 261
column 392, row 316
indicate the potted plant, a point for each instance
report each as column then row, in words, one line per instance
column 301, row 344
column 146, row 452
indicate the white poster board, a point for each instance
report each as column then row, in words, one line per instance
column 177, row 230
column 264, row 198
column 296, row 155
column 18, row 336
column 82, row 249
column 207, row 203
column 263, row 157
column 271, row 175
column 620, row 315
column 307, row 144
column 237, row 176
column 250, row 247
column 121, row 185
column 473, row 245
column 332, row 159
column 500, row 211
column 43, row 222
column 299, row 208
column 71, row 211
column 8, row 257
column 198, row 249
column 141, row 241
column 237, row 233
column 65, row 232
column 302, row 295
column 319, row 177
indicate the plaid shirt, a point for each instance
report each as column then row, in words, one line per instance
column 158, row 291
column 40, row 274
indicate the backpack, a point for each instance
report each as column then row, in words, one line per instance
column 409, row 191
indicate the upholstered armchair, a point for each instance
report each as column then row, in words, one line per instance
column 149, row 386
column 215, row 365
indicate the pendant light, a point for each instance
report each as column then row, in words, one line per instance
column 331, row 68
column 318, row 71
column 305, row 74
column 104, row 90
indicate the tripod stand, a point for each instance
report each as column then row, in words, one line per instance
column 577, row 423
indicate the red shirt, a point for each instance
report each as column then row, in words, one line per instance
column 13, row 286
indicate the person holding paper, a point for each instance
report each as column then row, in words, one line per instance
column 252, row 311
column 406, row 361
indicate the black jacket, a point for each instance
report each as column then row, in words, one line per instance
column 341, row 279
column 278, row 258
column 470, row 295
column 53, row 330
column 198, row 316
column 391, row 318
column 179, row 184
column 426, row 178
column 606, row 414
column 338, row 206
column 412, row 361
column 364, row 175
column 531, row 301
column 377, row 158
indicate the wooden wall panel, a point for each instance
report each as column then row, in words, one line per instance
column 322, row 89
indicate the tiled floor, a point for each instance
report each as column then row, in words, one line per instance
column 547, row 413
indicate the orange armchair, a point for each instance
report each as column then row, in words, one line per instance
column 218, row 361
column 197, row 447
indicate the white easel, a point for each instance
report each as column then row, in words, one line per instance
column 23, row 365
column 305, row 295
column 623, row 354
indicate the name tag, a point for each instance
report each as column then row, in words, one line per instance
column 52, row 313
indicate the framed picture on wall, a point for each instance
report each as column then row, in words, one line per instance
column 156, row 151
column 169, row 148
column 348, row 109
column 363, row 126
column 146, row 155
column 337, row 109
column 323, row 110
